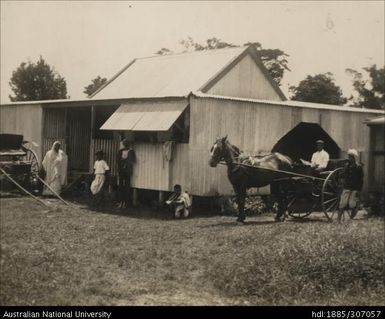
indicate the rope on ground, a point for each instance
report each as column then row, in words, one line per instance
column 56, row 194
column 22, row 188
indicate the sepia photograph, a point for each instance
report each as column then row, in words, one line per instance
column 191, row 153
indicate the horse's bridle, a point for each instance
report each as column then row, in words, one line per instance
column 214, row 157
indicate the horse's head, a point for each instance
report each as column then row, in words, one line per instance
column 217, row 152
column 222, row 150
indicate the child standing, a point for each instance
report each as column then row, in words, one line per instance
column 100, row 170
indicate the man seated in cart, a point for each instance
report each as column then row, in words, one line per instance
column 319, row 160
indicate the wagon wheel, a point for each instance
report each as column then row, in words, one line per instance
column 32, row 157
column 331, row 192
column 293, row 198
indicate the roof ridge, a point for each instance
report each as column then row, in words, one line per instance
column 189, row 53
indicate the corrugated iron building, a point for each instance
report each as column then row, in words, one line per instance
column 376, row 161
column 173, row 108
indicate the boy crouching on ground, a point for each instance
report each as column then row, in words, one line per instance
column 101, row 169
column 180, row 203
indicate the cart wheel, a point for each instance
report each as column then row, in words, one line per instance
column 293, row 199
column 331, row 192
column 294, row 213
column 32, row 157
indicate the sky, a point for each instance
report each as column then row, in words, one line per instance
column 84, row 39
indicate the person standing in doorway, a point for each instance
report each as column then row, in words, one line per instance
column 126, row 160
column 55, row 167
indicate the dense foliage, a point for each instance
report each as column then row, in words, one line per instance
column 37, row 81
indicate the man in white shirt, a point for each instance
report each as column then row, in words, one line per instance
column 320, row 159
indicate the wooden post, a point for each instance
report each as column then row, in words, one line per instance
column 162, row 199
column 92, row 145
column 135, row 201
column 372, row 144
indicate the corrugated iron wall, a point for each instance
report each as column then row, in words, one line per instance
column 255, row 128
column 110, row 147
column 54, row 128
column 78, row 138
column 245, row 79
column 151, row 170
column 72, row 128
column 25, row 120
column 378, row 157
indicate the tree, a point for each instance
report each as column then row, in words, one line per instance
column 273, row 59
column 319, row 88
column 371, row 93
column 164, row 51
column 95, row 85
column 31, row 82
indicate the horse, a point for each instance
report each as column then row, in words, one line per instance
column 243, row 177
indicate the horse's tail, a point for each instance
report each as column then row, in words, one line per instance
column 285, row 160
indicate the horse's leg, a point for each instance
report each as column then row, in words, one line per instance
column 241, row 196
column 279, row 195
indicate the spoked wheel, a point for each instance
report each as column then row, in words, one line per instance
column 299, row 214
column 32, row 157
column 297, row 205
column 331, row 192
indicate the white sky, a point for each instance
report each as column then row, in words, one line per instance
column 85, row 39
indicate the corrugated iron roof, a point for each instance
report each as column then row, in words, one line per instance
column 144, row 117
column 292, row 103
column 168, row 75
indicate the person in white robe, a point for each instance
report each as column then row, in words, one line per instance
column 55, row 167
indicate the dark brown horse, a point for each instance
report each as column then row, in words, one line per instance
column 243, row 177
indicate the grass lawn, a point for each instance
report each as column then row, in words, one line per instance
column 65, row 256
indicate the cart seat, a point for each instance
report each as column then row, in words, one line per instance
column 12, row 152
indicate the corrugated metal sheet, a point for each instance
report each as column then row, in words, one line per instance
column 145, row 117
column 317, row 106
column 247, row 80
column 169, row 75
column 255, row 127
column 26, row 120
column 110, row 147
column 151, row 170
column 79, row 138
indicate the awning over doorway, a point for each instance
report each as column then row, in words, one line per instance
column 145, row 117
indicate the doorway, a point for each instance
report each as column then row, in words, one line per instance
column 78, row 138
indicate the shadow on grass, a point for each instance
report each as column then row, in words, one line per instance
column 234, row 223
column 308, row 220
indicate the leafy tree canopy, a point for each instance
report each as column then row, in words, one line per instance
column 371, row 92
column 95, row 85
column 37, row 81
column 319, row 88
column 274, row 59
